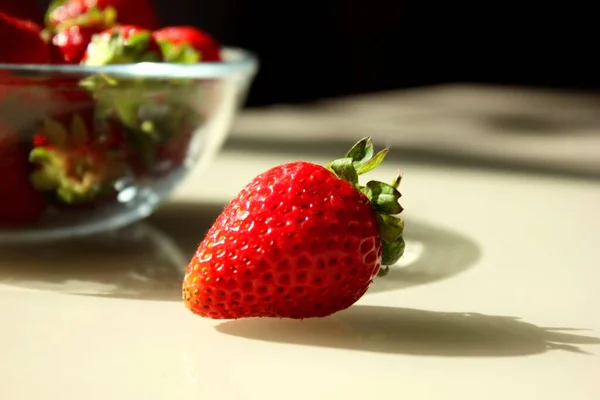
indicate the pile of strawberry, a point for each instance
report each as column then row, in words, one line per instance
column 72, row 143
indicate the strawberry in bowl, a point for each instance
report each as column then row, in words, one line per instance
column 99, row 117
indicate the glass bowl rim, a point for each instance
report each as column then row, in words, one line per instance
column 237, row 61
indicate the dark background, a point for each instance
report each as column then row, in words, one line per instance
column 323, row 48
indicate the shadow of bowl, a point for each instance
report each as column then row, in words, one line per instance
column 147, row 261
column 136, row 262
column 411, row 332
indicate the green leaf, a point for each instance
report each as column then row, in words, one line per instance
column 384, row 197
column 55, row 132
column 392, row 251
column 150, row 56
column 79, row 135
column 372, row 163
column 40, row 155
column 149, row 127
column 138, row 42
column 189, row 55
column 391, row 227
column 95, row 83
column 126, row 107
column 396, row 182
column 383, row 271
column 54, row 4
column 45, row 178
column 361, row 152
column 43, row 181
column 94, row 16
column 103, row 52
column 180, row 54
column 344, row 169
column 110, row 16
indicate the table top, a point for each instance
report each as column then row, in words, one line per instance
column 496, row 298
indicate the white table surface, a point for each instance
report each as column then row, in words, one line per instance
column 494, row 261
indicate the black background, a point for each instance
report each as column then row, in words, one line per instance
column 313, row 49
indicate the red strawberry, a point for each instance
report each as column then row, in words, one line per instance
column 70, row 39
column 72, row 42
column 186, row 44
column 23, row 9
column 127, row 12
column 76, row 164
column 20, row 42
column 124, row 44
column 299, row 241
column 20, row 204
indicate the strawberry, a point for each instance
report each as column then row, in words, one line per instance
column 20, row 204
column 124, row 12
column 70, row 44
column 299, row 241
column 70, row 38
column 124, row 44
column 23, row 9
column 20, row 42
column 186, row 44
column 74, row 163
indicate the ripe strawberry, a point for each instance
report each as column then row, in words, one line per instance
column 124, row 12
column 124, row 44
column 20, row 42
column 298, row 241
column 70, row 44
column 74, row 163
column 23, row 9
column 186, row 44
column 20, row 204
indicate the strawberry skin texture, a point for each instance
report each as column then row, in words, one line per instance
column 297, row 242
column 72, row 43
column 207, row 47
column 20, row 42
column 129, row 12
column 20, row 204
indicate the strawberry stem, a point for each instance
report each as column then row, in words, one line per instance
column 121, row 50
column 179, row 53
column 76, row 167
column 384, row 197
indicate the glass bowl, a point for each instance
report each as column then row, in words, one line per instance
column 89, row 149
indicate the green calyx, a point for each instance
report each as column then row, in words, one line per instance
column 72, row 166
column 99, row 18
column 123, row 97
column 179, row 53
column 384, row 197
column 103, row 19
column 121, row 50
column 54, row 4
